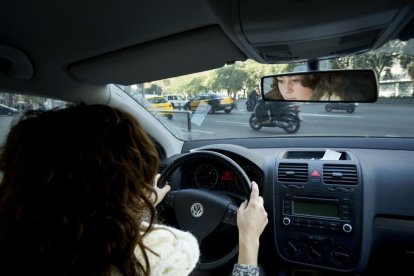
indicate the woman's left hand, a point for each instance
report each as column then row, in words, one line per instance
column 161, row 192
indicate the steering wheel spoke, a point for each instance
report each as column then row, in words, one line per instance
column 231, row 215
column 169, row 199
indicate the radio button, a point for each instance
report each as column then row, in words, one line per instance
column 347, row 228
column 286, row 221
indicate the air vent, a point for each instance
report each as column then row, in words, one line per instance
column 293, row 172
column 340, row 174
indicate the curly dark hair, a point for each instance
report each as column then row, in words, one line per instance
column 77, row 186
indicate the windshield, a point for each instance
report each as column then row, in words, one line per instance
column 220, row 103
column 157, row 100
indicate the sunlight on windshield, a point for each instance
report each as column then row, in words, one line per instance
column 224, row 103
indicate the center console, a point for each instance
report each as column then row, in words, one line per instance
column 318, row 209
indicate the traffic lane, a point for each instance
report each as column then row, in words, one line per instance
column 315, row 122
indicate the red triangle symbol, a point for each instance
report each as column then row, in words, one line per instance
column 315, row 173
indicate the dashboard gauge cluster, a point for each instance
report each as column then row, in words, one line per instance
column 206, row 176
column 213, row 176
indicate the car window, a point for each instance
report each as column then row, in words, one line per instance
column 157, row 100
column 13, row 106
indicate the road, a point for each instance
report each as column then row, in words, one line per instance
column 367, row 120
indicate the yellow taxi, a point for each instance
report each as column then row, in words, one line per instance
column 212, row 102
column 160, row 105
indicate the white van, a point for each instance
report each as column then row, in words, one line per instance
column 177, row 101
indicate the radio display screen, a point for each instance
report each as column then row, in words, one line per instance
column 311, row 208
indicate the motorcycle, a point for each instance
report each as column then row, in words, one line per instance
column 287, row 119
column 250, row 104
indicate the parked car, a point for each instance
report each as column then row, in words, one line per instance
column 160, row 105
column 349, row 107
column 339, row 193
column 7, row 110
column 212, row 102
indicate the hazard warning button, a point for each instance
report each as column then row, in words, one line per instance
column 315, row 173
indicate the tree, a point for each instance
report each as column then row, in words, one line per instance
column 380, row 60
column 229, row 78
column 189, row 85
column 255, row 71
column 196, row 85
column 153, row 89
column 407, row 63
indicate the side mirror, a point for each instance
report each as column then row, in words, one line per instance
column 321, row 86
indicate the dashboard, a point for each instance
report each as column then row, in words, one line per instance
column 335, row 215
column 214, row 176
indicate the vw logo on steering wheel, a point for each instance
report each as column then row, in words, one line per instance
column 197, row 210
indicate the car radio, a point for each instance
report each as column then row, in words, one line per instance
column 331, row 214
column 318, row 212
column 320, row 228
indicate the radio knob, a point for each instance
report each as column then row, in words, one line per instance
column 286, row 221
column 347, row 228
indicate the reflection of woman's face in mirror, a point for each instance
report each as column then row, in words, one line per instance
column 292, row 89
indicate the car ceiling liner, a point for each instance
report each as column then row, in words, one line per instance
column 264, row 30
column 284, row 31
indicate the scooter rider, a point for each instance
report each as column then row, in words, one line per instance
column 266, row 110
column 253, row 97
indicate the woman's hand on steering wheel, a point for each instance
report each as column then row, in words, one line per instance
column 251, row 221
column 251, row 216
column 161, row 192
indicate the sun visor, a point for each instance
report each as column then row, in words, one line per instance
column 14, row 63
column 288, row 31
column 172, row 56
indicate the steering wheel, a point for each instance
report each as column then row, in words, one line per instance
column 201, row 212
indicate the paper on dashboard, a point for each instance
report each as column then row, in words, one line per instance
column 331, row 155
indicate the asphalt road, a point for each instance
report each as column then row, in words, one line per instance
column 367, row 120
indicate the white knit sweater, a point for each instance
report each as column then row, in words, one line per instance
column 178, row 251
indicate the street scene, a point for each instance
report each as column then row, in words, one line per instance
column 383, row 119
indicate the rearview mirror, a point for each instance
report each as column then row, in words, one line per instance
column 321, row 86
